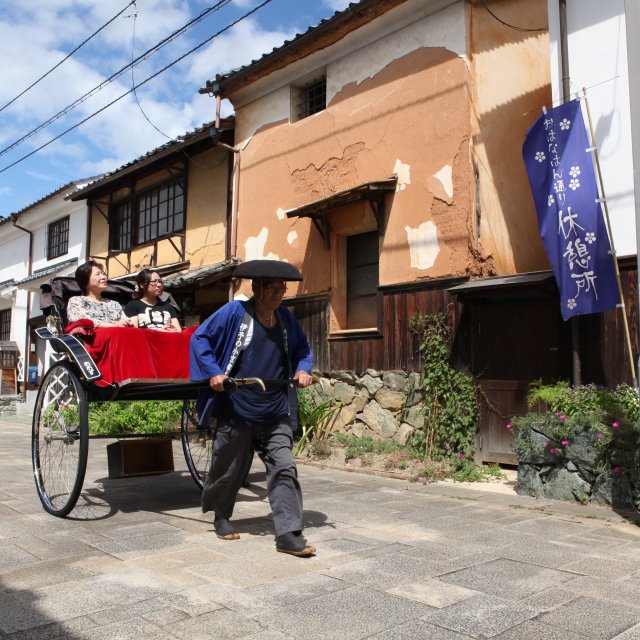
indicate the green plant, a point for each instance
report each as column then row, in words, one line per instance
column 449, row 395
column 148, row 417
column 314, row 418
column 465, row 470
column 604, row 420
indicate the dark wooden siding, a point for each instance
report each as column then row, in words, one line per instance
column 603, row 345
column 394, row 347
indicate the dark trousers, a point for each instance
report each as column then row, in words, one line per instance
column 233, row 449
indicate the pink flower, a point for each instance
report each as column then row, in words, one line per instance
column 509, row 426
column 553, row 450
column 460, row 455
column 563, row 417
column 599, row 435
column 565, row 443
column 546, row 443
column 617, row 469
column 615, row 425
column 557, row 415
column 378, row 439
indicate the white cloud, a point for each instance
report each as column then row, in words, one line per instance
column 245, row 42
column 336, row 5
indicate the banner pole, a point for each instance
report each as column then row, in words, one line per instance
column 605, row 210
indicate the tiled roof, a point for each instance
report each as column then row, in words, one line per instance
column 66, row 190
column 328, row 30
column 50, row 270
column 172, row 146
column 200, row 275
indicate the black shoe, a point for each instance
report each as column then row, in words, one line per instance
column 293, row 545
column 224, row 530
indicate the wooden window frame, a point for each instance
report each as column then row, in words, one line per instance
column 58, row 238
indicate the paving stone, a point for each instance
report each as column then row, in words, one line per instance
column 534, row 631
column 343, row 615
column 482, row 616
column 221, row 625
column 418, row 630
column 604, row 567
column 630, row 634
column 434, row 593
column 507, row 578
column 591, row 617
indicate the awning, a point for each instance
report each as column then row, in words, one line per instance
column 201, row 276
column 373, row 192
column 538, row 281
column 32, row 283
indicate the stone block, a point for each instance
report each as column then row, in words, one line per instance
column 379, row 420
column 344, row 393
column 392, row 400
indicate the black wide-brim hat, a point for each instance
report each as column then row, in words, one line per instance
column 267, row 270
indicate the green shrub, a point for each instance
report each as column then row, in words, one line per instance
column 604, row 420
column 450, row 396
column 314, row 417
column 141, row 417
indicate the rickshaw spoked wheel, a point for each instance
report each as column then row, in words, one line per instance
column 197, row 443
column 60, row 439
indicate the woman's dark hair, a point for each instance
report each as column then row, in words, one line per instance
column 83, row 274
column 143, row 279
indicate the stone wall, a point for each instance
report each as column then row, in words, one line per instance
column 8, row 405
column 577, row 475
column 381, row 405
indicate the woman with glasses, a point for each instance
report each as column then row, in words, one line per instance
column 149, row 311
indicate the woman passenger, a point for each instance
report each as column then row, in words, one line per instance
column 91, row 305
column 149, row 311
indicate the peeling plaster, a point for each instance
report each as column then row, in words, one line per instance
column 445, row 178
column 443, row 29
column 403, row 173
column 423, row 245
column 292, row 236
column 254, row 247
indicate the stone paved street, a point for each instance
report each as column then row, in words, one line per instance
column 395, row 561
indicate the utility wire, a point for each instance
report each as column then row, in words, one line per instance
column 42, row 77
column 151, row 77
column 141, row 58
column 506, row 24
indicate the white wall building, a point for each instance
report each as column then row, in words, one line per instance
column 603, row 56
column 46, row 239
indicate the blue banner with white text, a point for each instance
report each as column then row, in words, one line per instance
column 563, row 182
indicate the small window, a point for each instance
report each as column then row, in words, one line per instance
column 151, row 214
column 363, row 266
column 5, row 325
column 120, row 227
column 308, row 98
column 160, row 211
column 58, row 238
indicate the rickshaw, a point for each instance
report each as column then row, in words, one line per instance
column 60, row 431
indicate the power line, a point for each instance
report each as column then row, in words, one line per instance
column 151, row 77
column 141, row 58
column 42, row 77
column 506, row 24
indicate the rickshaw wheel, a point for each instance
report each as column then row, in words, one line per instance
column 60, row 439
column 197, row 443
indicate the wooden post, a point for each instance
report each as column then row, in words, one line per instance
column 605, row 210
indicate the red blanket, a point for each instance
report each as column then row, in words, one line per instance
column 128, row 352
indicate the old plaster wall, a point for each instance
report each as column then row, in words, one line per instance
column 398, row 105
column 511, row 83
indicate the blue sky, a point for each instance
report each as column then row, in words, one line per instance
column 37, row 35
